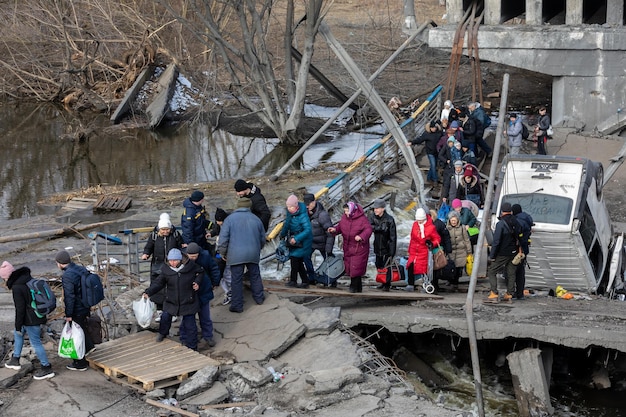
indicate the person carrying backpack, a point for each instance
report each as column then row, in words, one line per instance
column 526, row 223
column 478, row 113
column 26, row 321
column 75, row 309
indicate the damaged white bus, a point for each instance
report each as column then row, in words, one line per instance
column 572, row 242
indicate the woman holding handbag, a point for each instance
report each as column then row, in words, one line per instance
column 461, row 246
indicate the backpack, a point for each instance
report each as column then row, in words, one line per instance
column 92, row 290
column 525, row 132
column 43, row 300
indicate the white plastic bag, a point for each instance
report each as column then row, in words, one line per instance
column 550, row 131
column 144, row 310
column 72, row 343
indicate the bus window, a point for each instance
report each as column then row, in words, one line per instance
column 544, row 208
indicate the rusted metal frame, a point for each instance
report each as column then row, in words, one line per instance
column 455, row 56
column 470, row 47
column 476, row 58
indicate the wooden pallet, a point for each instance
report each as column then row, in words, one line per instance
column 109, row 203
column 140, row 361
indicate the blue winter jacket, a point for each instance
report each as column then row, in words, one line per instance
column 298, row 226
column 194, row 223
column 241, row 238
column 72, row 295
column 211, row 276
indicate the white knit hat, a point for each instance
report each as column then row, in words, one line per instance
column 420, row 214
column 164, row 224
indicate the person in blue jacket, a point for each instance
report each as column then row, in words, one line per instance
column 514, row 133
column 194, row 221
column 299, row 234
column 210, row 280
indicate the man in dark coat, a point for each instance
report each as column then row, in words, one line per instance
column 26, row 321
column 259, row 205
column 75, row 310
column 430, row 137
column 241, row 239
column 194, row 220
column 503, row 249
column 181, row 279
column 210, row 279
column 385, row 239
column 469, row 130
column 322, row 240
column 526, row 223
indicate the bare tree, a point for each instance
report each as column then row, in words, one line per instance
column 241, row 46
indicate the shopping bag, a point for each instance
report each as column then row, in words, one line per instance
column 72, row 343
column 469, row 264
column 440, row 260
column 382, row 274
column 144, row 310
column 442, row 214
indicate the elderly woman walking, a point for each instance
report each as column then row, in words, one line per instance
column 424, row 237
column 356, row 231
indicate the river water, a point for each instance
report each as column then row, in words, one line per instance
column 38, row 157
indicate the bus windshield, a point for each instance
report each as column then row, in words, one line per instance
column 544, row 208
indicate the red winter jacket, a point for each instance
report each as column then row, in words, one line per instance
column 418, row 251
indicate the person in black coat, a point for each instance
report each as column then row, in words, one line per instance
column 526, row 223
column 446, row 245
column 259, row 205
column 181, row 279
column 469, row 131
column 322, row 240
column 385, row 239
column 430, row 137
column 503, row 249
column 75, row 310
column 26, row 321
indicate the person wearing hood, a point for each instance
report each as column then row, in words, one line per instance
column 470, row 130
column 299, row 238
column 26, row 321
column 472, row 189
column 424, row 238
column 356, row 231
column 445, row 112
column 259, row 205
column 483, row 122
column 514, row 133
column 163, row 238
column 449, row 155
column 385, row 239
column 241, row 239
column 181, row 279
column 194, row 220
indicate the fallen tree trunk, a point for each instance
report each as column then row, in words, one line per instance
column 55, row 233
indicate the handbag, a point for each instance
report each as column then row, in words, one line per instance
column 550, row 131
column 72, row 343
column 469, row 264
column 282, row 252
column 382, row 274
column 440, row 260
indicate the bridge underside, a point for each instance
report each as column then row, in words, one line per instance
column 588, row 65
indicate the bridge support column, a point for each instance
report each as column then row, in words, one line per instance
column 615, row 12
column 574, row 12
column 493, row 12
column 454, row 10
column 534, row 12
column 530, row 383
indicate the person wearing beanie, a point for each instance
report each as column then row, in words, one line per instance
column 308, row 198
column 470, row 130
column 26, row 321
column 298, row 235
column 259, row 205
column 356, row 231
column 210, row 279
column 526, row 223
column 322, row 240
column 514, row 133
column 225, row 275
column 242, row 236
column 424, row 237
column 161, row 240
column 75, row 310
column 194, row 221
column 385, row 240
column 472, row 189
column 181, row 280
column 504, row 247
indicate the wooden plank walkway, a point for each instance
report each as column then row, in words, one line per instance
column 399, row 295
column 140, row 361
column 112, row 203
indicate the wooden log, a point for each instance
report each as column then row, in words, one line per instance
column 171, row 408
column 65, row 231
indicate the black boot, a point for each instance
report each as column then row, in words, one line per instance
column 353, row 285
column 359, row 284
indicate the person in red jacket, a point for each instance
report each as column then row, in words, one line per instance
column 356, row 231
column 424, row 237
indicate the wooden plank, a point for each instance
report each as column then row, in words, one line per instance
column 171, row 408
column 372, row 294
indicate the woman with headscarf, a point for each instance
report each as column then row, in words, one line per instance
column 424, row 237
column 356, row 230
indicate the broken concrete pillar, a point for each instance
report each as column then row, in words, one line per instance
column 454, row 11
column 534, row 14
column 529, row 382
column 574, row 12
column 615, row 12
column 493, row 12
